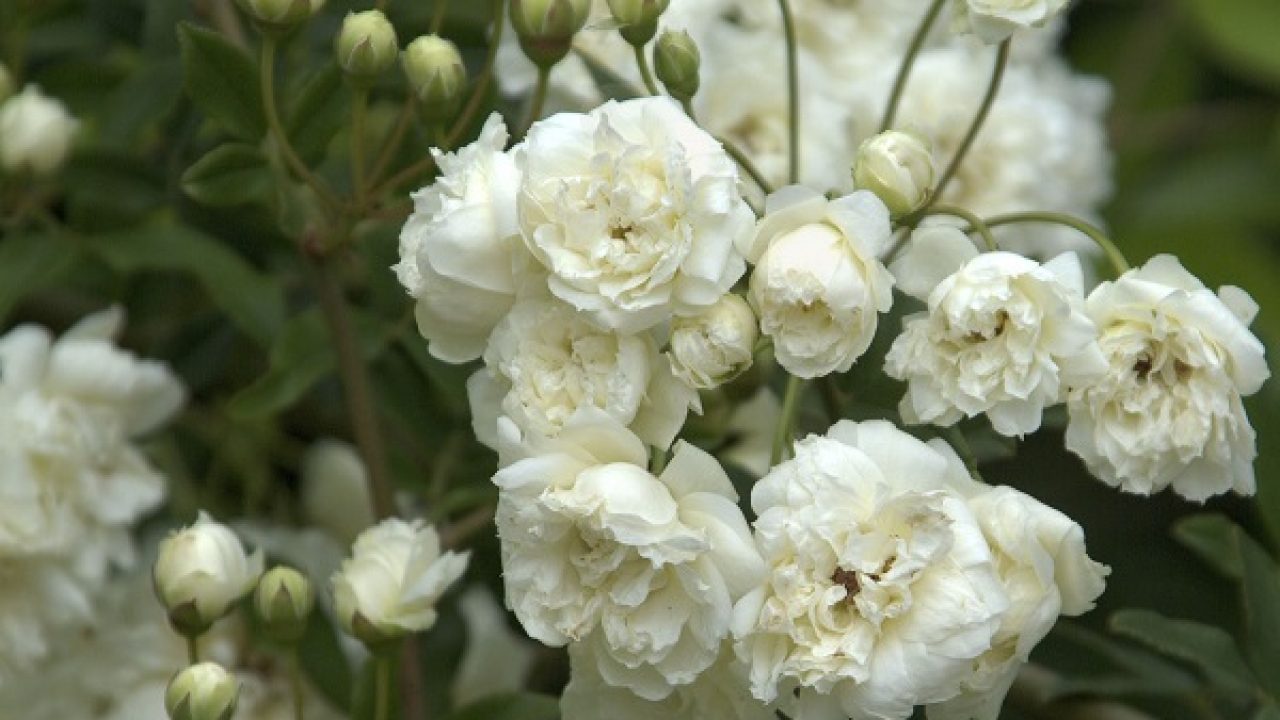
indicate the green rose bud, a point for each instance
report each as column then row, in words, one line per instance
column 279, row 15
column 676, row 61
column 366, row 45
column 546, row 27
column 284, row 600
column 637, row 19
column 436, row 75
column 202, row 692
column 898, row 167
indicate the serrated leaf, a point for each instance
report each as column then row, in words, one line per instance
column 318, row 113
column 230, row 174
column 29, row 262
column 516, row 706
column 252, row 300
column 1260, row 587
column 1211, row 650
column 1212, row 539
column 222, row 80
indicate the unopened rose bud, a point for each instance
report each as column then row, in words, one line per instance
column 7, row 85
column 676, row 61
column 284, row 600
column 36, row 133
column 436, row 75
column 898, row 167
column 204, row 691
column 279, row 14
column 546, row 27
column 637, row 19
column 366, row 45
column 200, row 572
column 715, row 345
column 335, row 490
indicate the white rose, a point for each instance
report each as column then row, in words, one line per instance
column 634, row 210
column 201, row 571
column 545, row 361
column 881, row 589
column 714, row 346
column 35, row 132
column 644, row 569
column 1169, row 410
column 1045, row 571
column 818, row 283
column 389, row 586
column 1003, row 335
column 335, row 489
column 460, row 252
column 995, row 20
column 898, row 167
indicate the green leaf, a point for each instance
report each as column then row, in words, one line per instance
column 252, row 300
column 1210, row 649
column 222, row 80
column 1212, row 539
column 1140, row 673
column 1260, row 587
column 31, row 262
column 1242, row 32
column 1270, row 711
column 231, row 174
column 516, row 706
column 318, row 113
column 324, row 662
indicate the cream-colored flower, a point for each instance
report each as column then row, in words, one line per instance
column 460, row 253
column 200, row 571
column 642, row 569
column 36, row 132
column 546, row 360
column 634, row 211
column 1003, row 335
column 715, row 345
column 1168, row 413
column 818, row 284
column 881, row 589
column 898, row 167
column 389, row 586
column 995, row 20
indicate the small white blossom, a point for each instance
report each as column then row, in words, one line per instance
column 391, row 583
column 716, row 345
column 460, row 253
column 36, row 132
column 546, row 360
column 993, row 21
column 818, row 284
column 1003, row 335
column 201, row 571
column 898, row 167
column 634, row 211
column 1168, row 413
column 643, row 569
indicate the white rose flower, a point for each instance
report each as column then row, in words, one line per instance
column 898, row 167
column 643, row 569
column 995, row 20
column 35, row 132
column 881, row 589
column 1046, row 572
column 719, row 692
column 1003, row 335
column 201, row 571
column 714, row 346
column 460, row 252
column 545, row 361
column 1169, row 413
column 634, row 210
column 818, row 283
column 389, row 586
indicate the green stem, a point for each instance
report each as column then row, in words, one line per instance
column 295, row 681
column 975, row 223
column 645, row 73
column 1114, row 256
column 997, row 75
column 358, row 112
column 539, row 99
column 908, row 61
column 745, row 163
column 382, row 689
column 266, row 76
column 437, row 18
column 832, row 402
column 658, row 463
column 786, row 421
column 356, row 387
column 793, row 90
column 486, row 76
column 193, row 649
column 389, row 149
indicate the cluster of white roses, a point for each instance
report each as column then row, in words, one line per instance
column 36, row 131
column 594, row 267
column 74, row 481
